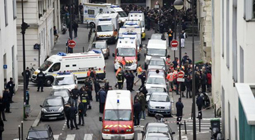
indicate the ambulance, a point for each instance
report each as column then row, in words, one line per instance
column 139, row 16
column 126, row 48
column 119, row 10
column 132, row 32
column 76, row 63
column 117, row 120
column 107, row 27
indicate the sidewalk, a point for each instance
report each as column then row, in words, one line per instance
column 14, row 119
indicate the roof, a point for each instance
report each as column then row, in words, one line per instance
column 106, row 15
column 154, row 43
column 124, row 97
column 39, row 128
column 156, row 123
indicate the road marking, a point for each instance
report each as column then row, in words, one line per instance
column 70, row 137
column 139, row 136
column 184, row 138
column 16, row 139
column 56, row 137
column 88, row 137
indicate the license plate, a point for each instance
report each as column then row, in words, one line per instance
column 52, row 118
column 117, row 138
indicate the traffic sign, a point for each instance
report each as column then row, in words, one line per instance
column 71, row 43
column 180, row 76
column 5, row 67
column 174, row 45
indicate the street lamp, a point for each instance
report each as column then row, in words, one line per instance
column 178, row 4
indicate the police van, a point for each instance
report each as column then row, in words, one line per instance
column 127, row 48
column 117, row 120
column 76, row 63
column 139, row 16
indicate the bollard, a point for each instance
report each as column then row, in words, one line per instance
column 180, row 134
column 199, row 125
column 215, row 115
column 19, row 132
column 185, row 127
column 66, row 49
column 192, row 112
column 83, row 49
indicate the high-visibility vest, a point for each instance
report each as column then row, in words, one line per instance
column 139, row 71
column 123, row 62
column 88, row 73
column 175, row 74
column 168, row 61
column 170, row 77
column 170, row 34
column 118, row 71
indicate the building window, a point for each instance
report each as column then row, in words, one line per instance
column 234, row 44
column 241, row 65
column 223, row 29
column 227, row 33
column 5, row 12
column 14, row 9
column 249, row 10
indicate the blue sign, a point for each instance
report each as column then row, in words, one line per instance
column 5, row 66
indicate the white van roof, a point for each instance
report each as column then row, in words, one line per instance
column 106, row 16
column 98, row 4
column 121, row 96
column 130, row 30
column 161, row 44
column 126, row 42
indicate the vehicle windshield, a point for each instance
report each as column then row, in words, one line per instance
column 156, row 52
column 104, row 28
column 157, row 138
column 151, row 90
column 52, row 102
column 158, row 129
column 98, row 45
column 45, row 65
column 122, row 14
column 118, row 115
column 159, row 98
column 156, row 80
column 156, row 36
column 62, row 93
column 38, row 135
column 60, row 81
column 157, row 63
column 126, row 52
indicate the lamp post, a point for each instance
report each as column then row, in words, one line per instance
column 24, row 26
column 178, row 5
column 193, row 72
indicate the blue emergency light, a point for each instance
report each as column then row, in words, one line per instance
column 64, row 73
column 131, row 24
column 96, row 51
column 115, row 6
column 129, row 33
column 118, row 101
column 61, row 54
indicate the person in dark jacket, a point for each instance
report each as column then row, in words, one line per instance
column 106, row 86
column 97, row 88
column 84, row 99
column 67, row 114
column 188, row 84
column 10, row 85
column 203, row 82
column 179, row 108
column 175, row 62
column 73, row 112
column 75, row 93
column 197, row 81
column 75, row 28
column 132, row 79
column 7, row 100
column 40, row 80
column 28, row 75
column 137, row 110
column 87, row 89
column 143, row 103
column 128, row 80
column 102, row 98
column 1, row 129
column 199, row 102
column 2, row 114
column 81, row 109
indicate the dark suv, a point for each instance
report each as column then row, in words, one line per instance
column 40, row 133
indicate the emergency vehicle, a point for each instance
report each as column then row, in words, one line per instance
column 65, row 80
column 107, row 27
column 117, row 120
column 92, row 9
column 132, row 32
column 77, row 63
column 127, row 48
column 138, row 15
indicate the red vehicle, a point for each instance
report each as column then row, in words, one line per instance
column 117, row 121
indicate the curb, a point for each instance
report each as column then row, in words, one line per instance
column 37, row 120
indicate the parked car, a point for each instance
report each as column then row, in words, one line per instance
column 159, row 102
column 152, row 90
column 157, row 131
column 65, row 81
column 52, row 108
column 157, row 36
column 102, row 46
column 40, row 133
column 157, row 80
column 65, row 93
column 157, row 63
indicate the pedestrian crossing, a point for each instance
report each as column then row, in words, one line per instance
column 74, row 137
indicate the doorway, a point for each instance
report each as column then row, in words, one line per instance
column 5, row 63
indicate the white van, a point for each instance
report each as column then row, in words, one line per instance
column 107, row 27
column 76, row 63
column 117, row 120
column 119, row 10
column 131, row 32
column 157, row 48
column 139, row 16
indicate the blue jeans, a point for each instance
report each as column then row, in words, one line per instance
column 75, row 101
column 142, row 113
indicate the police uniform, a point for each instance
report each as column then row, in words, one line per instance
column 120, row 80
column 40, row 79
column 27, row 74
column 85, row 99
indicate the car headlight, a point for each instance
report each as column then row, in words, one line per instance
column 134, row 61
column 106, row 130
column 61, row 109
column 35, row 73
column 104, row 50
column 129, row 130
column 44, row 110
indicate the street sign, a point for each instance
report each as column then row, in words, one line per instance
column 71, row 43
column 174, row 45
column 180, row 76
column 5, row 67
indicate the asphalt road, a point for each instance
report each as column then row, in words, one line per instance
column 92, row 128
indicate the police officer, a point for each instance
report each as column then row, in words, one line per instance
column 87, row 89
column 102, row 98
column 84, row 99
column 97, row 88
column 132, row 79
column 6, row 100
column 81, row 113
column 27, row 74
column 120, row 79
column 179, row 108
column 40, row 80
column 127, row 77
column 10, row 85
column 67, row 114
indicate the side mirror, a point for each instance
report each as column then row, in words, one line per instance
column 113, row 55
column 41, row 106
column 100, row 119
column 173, row 133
